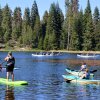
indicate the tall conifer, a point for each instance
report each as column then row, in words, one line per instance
column 7, row 23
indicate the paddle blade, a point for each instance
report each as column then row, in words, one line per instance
column 93, row 71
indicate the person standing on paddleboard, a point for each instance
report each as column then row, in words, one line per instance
column 10, row 65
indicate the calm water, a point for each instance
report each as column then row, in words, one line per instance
column 44, row 76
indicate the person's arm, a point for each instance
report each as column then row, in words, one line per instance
column 81, row 68
column 11, row 62
column 7, row 58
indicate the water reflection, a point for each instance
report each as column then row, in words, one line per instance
column 81, row 92
column 9, row 93
column 70, row 61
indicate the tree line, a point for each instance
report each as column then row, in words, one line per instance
column 77, row 30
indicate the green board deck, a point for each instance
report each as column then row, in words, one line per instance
column 15, row 83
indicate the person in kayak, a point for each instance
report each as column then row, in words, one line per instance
column 83, row 67
column 86, row 74
column 10, row 65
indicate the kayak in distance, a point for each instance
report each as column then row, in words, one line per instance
column 76, row 79
column 87, row 55
column 10, row 82
column 46, row 54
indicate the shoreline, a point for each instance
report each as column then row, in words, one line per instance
column 36, row 50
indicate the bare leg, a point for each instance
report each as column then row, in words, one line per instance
column 7, row 76
column 12, row 74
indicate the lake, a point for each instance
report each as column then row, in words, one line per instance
column 44, row 75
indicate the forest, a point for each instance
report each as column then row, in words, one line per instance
column 77, row 30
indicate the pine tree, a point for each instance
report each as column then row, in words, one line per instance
column 97, row 37
column 27, row 39
column 54, row 26
column 34, row 14
column 88, row 29
column 17, row 24
column 26, row 29
column 36, row 32
column 80, row 29
column 43, row 30
column 44, row 24
column 96, row 21
column 0, row 16
column 59, row 25
column 1, row 33
column 26, row 17
column 7, row 23
column 47, row 44
column 71, row 17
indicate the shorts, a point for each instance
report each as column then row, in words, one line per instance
column 9, row 69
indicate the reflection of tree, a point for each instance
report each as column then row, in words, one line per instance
column 76, row 62
column 9, row 93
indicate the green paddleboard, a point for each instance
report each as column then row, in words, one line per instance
column 10, row 82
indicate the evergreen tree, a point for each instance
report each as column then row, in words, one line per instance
column 71, row 17
column 17, row 24
column 80, row 29
column 96, row 20
column 26, row 17
column 34, row 14
column 36, row 32
column 75, row 6
column 97, row 37
column 43, row 30
column 59, row 25
column 47, row 44
column 75, row 37
column 0, row 16
column 44, row 24
column 88, row 29
column 7, row 23
column 54, row 26
column 26, row 29
column 1, row 33
column 26, row 21
column 26, row 38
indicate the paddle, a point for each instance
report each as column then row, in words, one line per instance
column 93, row 71
column 5, row 67
column 1, row 65
column 16, row 68
column 68, row 81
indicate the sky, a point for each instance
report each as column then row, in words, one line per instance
column 44, row 5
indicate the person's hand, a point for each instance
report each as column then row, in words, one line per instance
column 7, row 58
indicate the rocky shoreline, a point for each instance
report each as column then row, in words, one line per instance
column 66, row 51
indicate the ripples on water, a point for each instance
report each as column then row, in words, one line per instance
column 44, row 76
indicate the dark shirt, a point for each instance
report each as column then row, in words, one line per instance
column 87, row 75
column 11, row 62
